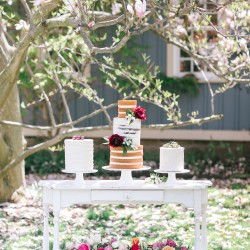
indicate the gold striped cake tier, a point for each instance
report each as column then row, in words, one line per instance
column 132, row 160
column 123, row 105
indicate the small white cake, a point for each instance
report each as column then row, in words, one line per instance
column 79, row 155
column 132, row 131
column 171, row 157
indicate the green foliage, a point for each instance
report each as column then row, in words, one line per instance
column 184, row 85
column 98, row 214
column 44, row 162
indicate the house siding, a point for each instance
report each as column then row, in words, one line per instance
column 233, row 104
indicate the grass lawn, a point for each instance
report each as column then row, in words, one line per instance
column 228, row 220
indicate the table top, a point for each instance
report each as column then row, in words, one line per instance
column 114, row 185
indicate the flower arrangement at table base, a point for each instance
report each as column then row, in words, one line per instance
column 96, row 243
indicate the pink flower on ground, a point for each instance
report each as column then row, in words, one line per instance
column 108, row 247
column 84, row 246
column 167, row 248
column 171, row 243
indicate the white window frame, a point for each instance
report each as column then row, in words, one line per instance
column 173, row 66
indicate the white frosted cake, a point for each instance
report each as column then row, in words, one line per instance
column 122, row 127
column 171, row 157
column 79, row 155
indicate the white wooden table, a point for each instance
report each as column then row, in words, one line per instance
column 62, row 194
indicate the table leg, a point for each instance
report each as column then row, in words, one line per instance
column 204, row 227
column 56, row 230
column 197, row 219
column 45, row 226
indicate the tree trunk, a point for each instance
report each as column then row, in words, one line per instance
column 11, row 145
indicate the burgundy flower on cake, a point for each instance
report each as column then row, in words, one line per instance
column 137, row 113
column 140, row 113
column 116, row 140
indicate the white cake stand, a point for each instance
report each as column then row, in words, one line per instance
column 79, row 179
column 126, row 178
column 171, row 175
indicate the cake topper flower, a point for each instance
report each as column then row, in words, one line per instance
column 116, row 140
column 171, row 144
column 137, row 113
column 78, row 137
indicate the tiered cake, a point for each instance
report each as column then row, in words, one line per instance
column 125, row 149
column 79, row 155
column 171, row 157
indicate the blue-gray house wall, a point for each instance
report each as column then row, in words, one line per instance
column 233, row 104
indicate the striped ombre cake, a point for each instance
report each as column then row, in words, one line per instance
column 123, row 105
column 132, row 160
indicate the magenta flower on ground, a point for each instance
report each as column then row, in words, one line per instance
column 84, row 246
column 108, row 247
column 171, row 243
column 158, row 245
column 183, row 248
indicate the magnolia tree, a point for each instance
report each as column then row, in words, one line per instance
column 46, row 47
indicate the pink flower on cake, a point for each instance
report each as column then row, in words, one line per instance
column 84, row 246
column 140, row 113
column 78, row 137
column 116, row 140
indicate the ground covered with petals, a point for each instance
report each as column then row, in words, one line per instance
column 227, row 216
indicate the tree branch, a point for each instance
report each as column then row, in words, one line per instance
column 72, row 132
column 191, row 122
column 45, row 145
column 48, row 103
column 28, row 12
